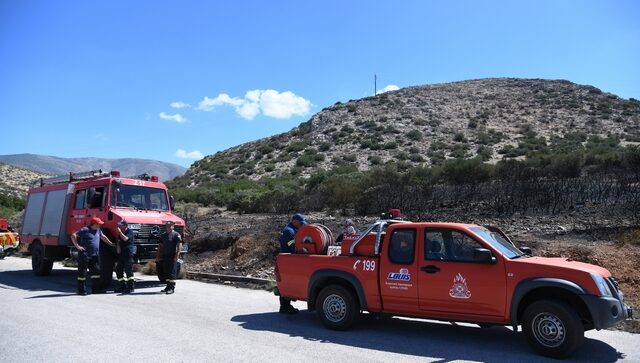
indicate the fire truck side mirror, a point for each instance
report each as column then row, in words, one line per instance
column 117, row 184
column 172, row 201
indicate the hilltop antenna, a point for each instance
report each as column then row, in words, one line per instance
column 375, row 84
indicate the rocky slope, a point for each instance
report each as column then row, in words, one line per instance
column 15, row 181
column 56, row 166
column 423, row 125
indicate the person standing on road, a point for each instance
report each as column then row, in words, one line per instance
column 287, row 245
column 87, row 242
column 126, row 249
column 168, row 256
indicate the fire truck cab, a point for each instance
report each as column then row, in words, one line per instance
column 59, row 206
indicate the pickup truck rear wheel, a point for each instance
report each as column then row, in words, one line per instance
column 552, row 328
column 337, row 307
column 40, row 265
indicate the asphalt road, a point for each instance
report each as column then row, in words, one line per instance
column 43, row 320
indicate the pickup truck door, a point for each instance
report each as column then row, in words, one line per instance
column 398, row 271
column 452, row 282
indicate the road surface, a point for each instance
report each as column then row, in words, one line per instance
column 43, row 320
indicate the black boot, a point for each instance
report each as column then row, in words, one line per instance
column 131, row 285
column 122, row 287
column 82, row 290
column 171, row 288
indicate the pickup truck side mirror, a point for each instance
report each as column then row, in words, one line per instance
column 483, row 255
column 526, row 250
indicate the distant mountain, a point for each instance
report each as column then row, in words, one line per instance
column 495, row 118
column 53, row 165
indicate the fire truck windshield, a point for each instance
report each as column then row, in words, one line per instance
column 139, row 197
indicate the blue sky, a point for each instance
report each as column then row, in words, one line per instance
column 173, row 80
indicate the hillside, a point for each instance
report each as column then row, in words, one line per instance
column 426, row 125
column 56, row 166
column 15, row 181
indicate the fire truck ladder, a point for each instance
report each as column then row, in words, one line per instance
column 60, row 179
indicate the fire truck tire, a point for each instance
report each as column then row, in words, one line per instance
column 337, row 307
column 552, row 328
column 40, row 265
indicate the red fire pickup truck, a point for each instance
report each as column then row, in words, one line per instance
column 451, row 272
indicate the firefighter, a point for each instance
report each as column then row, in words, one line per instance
column 168, row 257
column 126, row 249
column 287, row 245
column 87, row 242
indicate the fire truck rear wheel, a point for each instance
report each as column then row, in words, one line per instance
column 40, row 265
column 337, row 307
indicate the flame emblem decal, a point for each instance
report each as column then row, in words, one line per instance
column 459, row 290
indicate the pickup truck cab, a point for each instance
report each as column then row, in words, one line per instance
column 452, row 272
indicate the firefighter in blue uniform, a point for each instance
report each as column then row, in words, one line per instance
column 287, row 245
column 169, row 251
column 126, row 249
column 87, row 242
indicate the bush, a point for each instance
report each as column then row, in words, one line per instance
column 459, row 137
column 306, row 160
column 390, row 145
column 414, row 135
column 325, row 146
column 374, row 160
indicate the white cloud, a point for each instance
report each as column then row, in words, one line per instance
column 195, row 154
column 208, row 104
column 283, row 105
column 175, row 118
column 270, row 103
column 391, row 87
column 179, row 104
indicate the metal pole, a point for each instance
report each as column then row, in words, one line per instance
column 375, row 84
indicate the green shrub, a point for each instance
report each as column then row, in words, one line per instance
column 390, row 145
column 374, row 160
column 414, row 135
column 459, row 137
column 324, row 146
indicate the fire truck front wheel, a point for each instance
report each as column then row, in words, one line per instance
column 337, row 307
column 40, row 265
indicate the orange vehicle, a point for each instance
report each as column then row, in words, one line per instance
column 9, row 240
column 59, row 206
column 451, row 272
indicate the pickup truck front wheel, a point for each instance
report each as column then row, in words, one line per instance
column 337, row 307
column 552, row 328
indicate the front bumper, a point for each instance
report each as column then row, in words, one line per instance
column 607, row 311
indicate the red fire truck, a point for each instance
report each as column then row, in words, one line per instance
column 58, row 206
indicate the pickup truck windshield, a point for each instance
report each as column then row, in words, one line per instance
column 139, row 197
column 499, row 243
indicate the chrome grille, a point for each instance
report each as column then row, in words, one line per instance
column 152, row 232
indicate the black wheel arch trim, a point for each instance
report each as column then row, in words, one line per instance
column 320, row 275
column 528, row 285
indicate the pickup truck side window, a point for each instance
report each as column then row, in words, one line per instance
column 449, row 245
column 402, row 246
column 80, row 197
